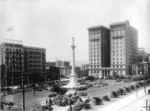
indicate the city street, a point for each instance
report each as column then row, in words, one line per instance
column 138, row 105
column 128, row 103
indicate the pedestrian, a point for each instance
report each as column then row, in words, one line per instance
column 50, row 102
column 46, row 102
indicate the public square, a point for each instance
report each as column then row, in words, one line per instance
column 74, row 55
column 40, row 97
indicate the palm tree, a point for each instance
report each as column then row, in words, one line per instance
column 106, row 98
column 97, row 100
column 114, row 94
column 121, row 91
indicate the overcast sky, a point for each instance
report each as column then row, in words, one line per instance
column 51, row 24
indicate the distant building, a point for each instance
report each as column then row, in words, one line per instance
column 19, row 61
column 142, row 55
column 84, row 70
column 84, row 66
column 64, row 67
column 141, row 68
column 52, row 73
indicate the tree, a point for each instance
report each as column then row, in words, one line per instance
column 53, row 73
column 37, row 77
column 115, row 75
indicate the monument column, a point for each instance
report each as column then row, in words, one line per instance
column 73, row 80
column 73, row 59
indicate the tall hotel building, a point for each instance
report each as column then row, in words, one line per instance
column 19, row 59
column 112, row 50
column 124, row 47
column 99, row 49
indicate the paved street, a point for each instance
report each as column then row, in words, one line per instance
column 138, row 105
column 128, row 103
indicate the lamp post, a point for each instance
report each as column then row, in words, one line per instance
column 23, row 93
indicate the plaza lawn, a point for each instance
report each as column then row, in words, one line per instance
column 106, row 90
column 93, row 91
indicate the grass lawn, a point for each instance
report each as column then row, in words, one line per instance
column 101, row 91
column 31, row 100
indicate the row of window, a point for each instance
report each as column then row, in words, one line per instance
column 94, row 56
column 94, row 60
column 34, row 65
column 117, row 33
column 34, row 61
column 35, row 52
column 95, row 36
column 34, row 57
column 13, row 60
column 14, row 65
column 117, row 62
column 94, row 63
column 11, row 49
column 118, row 66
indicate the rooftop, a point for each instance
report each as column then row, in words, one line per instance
column 97, row 27
column 119, row 23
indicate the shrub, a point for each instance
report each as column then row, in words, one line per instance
column 148, row 81
column 86, row 106
column 140, row 84
column 97, row 100
column 10, row 104
column 49, row 108
column 121, row 91
column 137, row 86
column 118, row 80
column 89, row 85
column 132, row 87
column 52, row 94
column 82, row 88
column 149, row 91
column 127, row 89
column 91, row 78
column 106, row 98
column 61, row 100
column 114, row 94
column 83, row 93
column 78, row 107
column 58, row 89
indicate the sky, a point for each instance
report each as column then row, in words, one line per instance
column 51, row 24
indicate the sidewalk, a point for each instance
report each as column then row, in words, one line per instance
column 124, row 102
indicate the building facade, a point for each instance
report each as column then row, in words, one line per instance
column 21, row 61
column 112, row 51
column 12, row 59
column 99, row 49
column 34, row 61
column 124, row 47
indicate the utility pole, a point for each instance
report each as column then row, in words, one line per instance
column 23, row 93
column 147, row 107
